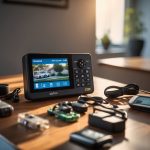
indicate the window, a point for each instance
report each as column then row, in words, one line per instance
column 110, row 19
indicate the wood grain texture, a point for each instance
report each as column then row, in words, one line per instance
column 136, row 63
column 135, row 137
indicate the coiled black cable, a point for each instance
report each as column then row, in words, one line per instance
column 116, row 91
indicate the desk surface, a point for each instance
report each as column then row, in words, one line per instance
column 137, row 63
column 135, row 137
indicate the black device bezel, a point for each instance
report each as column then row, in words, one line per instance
column 44, row 56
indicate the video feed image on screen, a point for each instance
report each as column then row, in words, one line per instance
column 50, row 73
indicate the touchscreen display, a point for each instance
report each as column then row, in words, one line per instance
column 142, row 100
column 50, row 73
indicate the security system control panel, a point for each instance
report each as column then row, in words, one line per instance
column 56, row 75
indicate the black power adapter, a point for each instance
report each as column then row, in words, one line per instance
column 110, row 119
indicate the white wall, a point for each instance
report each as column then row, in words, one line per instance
column 25, row 29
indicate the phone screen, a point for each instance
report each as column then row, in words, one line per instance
column 142, row 100
column 92, row 134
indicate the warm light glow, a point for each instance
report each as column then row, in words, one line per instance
column 110, row 18
column 14, row 81
column 11, row 79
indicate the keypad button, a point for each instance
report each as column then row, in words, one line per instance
column 82, row 71
column 78, row 85
column 88, row 83
column 86, row 71
column 82, row 80
column 82, row 75
column 76, row 71
column 82, row 84
column 88, row 79
column 76, row 76
column 87, row 75
column 77, row 80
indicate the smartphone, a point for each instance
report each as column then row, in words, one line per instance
column 140, row 102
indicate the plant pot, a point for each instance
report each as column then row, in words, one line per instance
column 106, row 45
column 105, row 42
column 135, row 47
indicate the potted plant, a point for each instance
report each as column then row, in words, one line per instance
column 105, row 41
column 133, row 30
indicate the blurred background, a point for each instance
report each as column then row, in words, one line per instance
column 122, row 26
column 104, row 28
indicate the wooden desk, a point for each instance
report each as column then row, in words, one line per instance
column 126, row 70
column 136, row 135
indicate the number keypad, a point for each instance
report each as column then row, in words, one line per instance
column 82, row 77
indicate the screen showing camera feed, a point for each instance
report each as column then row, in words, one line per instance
column 50, row 73
column 142, row 100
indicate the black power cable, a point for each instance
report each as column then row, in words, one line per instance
column 116, row 91
column 4, row 93
column 96, row 100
